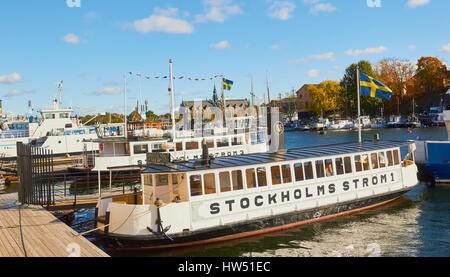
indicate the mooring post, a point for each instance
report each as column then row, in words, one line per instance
column 65, row 185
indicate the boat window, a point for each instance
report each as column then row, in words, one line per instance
column 148, row 180
column 262, row 178
column 238, row 183
column 298, row 170
column 348, row 165
column 179, row 146
column 390, row 158
column 174, row 179
column 329, row 167
column 68, row 126
column 140, row 149
column 374, row 160
column 396, row 158
column 162, row 180
column 210, row 143
column 308, row 170
column 365, row 160
column 251, row 178
column 286, row 170
column 223, row 142
column 210, row 183
column 276, row 175
column 382, row 159
column 319, row 169
column 358, row 164
column 237, row 141
column 192, row 145
column 196, row 185
column 339, row 166
column 225, row 184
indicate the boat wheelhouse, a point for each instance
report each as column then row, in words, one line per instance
column 205, row 201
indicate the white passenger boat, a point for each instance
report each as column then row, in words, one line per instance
column 56, row 131
column 122, row 152
column 206, row 201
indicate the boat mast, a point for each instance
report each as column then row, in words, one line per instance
column 172, row 102
column 125, row 104
column 268, row 90
column 253, row 94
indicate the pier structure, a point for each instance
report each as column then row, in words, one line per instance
column 32, row 231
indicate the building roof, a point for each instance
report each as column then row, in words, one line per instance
column 263, row 158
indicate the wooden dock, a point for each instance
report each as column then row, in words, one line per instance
column 32, row 231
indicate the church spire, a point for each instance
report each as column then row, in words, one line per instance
column 215, row 98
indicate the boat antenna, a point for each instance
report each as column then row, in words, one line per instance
column 60, row 87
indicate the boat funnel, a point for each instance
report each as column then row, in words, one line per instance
column 275, row 131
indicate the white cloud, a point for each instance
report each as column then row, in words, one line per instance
column 446, row 48
column 336, row 69
column 417, row 3
column 221, row 45
column 324, row 56
column 321, row 7
column 275, row 47
column 17, row 92
column 313, row 73
column 281, row 10
column 71, row 38
column 11, row 78
column 108, row 91
column 217, row 10
column 310, row 2
column 358, row 52
column 163, row 21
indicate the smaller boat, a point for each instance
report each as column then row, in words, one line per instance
column 394, row 121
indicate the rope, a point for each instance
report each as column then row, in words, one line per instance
column 123, row 219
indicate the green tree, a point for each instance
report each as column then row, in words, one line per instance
column 369, row 106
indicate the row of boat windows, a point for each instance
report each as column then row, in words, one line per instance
column 190, row 145
column 53, row 116
column 282, row 174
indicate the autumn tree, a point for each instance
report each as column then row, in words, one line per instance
column 398, row 75
column 325, row 97
column 430, row 73
column 370, row 106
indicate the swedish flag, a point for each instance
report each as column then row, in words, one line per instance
column 227, row 84
column 374, row 88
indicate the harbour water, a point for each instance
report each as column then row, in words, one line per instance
column 418, row 224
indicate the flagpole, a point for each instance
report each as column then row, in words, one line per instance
column 125, row 104
column 359, row 104
column 224, row 105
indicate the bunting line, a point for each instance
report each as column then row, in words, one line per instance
column 149, row 77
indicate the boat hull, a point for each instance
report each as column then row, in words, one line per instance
column 247, row 228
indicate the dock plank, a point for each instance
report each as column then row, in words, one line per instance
column 43, row 234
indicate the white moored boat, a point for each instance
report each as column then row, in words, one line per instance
column 207, row 201
column 121, row 152
column 56, row 131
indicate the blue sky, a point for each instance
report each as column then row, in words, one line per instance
column 296, row 42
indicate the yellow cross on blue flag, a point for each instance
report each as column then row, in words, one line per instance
column 227, row 84
column 374, row 88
